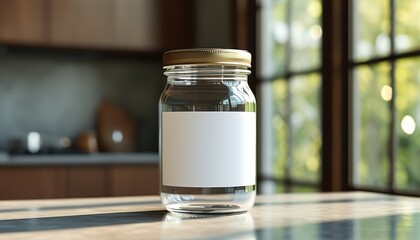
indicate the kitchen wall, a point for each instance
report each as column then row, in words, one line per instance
column 213, row 24
column 58, row 94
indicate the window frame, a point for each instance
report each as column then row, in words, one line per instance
column 288, row 182
column 337, row 67
column 391, row 58
column 335, row 96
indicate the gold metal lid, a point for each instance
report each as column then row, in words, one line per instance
column 198, row 56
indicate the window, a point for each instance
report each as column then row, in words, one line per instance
column 384, row 70
column 375, row 60
column 289, row 93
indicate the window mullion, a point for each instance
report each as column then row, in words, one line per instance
column 288, row 60
column 334, row 107
column 393, row 134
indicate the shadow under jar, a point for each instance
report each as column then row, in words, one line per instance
column 207, row 132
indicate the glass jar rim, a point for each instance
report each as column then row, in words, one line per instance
column 206, row 69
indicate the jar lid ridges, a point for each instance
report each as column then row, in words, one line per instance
column 198, row 56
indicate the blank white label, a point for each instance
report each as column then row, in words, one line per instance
column 208, row 149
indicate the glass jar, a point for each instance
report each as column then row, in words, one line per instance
column 207, row 132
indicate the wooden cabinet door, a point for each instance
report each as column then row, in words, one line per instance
column 136, row 24
column 38, row 182
column 81, row 23
column 115, row 24
column 86, row 181
column 145, row 25
column 23, row 21
column 133, row 180
column 32, row 182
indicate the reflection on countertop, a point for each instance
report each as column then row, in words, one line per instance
column 352, row 215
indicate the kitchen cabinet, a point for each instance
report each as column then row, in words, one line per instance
column 81, row 23
column 30, row 182
column 129, row 181
column 86, row 181
column 129, row 24
column 137, row 24
column 23, row 21
column 140, row 25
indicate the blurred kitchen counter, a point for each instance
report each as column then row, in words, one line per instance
column 351, row 215
column 78, row 175
column 79, row 159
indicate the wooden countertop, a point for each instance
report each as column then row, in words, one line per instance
column 352, row 215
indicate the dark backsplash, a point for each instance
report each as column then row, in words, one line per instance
column 58, row 94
